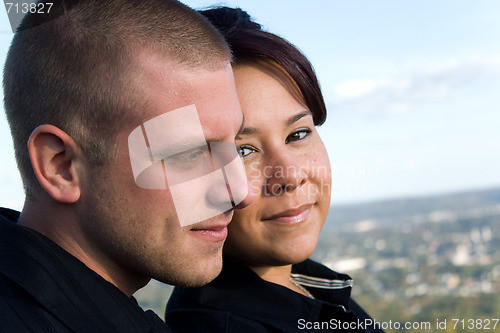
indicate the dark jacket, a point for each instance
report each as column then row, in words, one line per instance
column 45, row 289
column 240, row 301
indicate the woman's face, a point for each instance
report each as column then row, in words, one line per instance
column 288, row 168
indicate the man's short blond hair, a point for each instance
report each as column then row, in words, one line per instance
column 69, row 67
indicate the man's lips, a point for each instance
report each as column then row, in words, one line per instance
column 210, row 235
column 210, row 227
column 214, row 229
column 291, row 216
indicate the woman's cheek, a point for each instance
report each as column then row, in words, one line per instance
column 255, row 176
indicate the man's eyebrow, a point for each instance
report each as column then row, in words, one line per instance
column 163, row 150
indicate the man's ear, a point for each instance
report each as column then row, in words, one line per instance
column 57, row 162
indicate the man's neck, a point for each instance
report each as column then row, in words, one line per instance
column 59, row 223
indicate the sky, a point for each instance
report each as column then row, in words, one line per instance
column 412, row 91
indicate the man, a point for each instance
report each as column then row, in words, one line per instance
column 121, row 112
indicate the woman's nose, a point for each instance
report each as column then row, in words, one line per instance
column 284, row 174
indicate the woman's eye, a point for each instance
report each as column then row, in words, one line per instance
column 245, row 150
column 298, row 135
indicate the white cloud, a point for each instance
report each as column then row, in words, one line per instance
column 354, row 88
column 396, row 95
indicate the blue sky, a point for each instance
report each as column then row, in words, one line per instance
column 412, row 88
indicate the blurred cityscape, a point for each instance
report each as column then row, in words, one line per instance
column 415, row 260
column 420, row 260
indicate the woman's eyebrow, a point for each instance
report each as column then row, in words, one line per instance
column 254, row 130
column 248, row 131
column 242, row 126
column 298, row 116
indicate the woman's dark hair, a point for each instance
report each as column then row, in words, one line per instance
column 250, row 44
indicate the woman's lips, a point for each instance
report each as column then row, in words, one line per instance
column 291, row 216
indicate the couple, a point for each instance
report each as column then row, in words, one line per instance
column 124, row 115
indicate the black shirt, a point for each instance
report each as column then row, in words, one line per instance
column 240, row 301
column 43, row 288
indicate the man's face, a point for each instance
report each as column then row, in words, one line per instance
column 161, row 209
column 204, row 177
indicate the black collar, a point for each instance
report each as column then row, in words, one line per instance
column 240, row 291
column 323, row 283
column 67, row 288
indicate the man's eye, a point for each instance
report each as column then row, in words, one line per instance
column 188, row 165
column 245, row 150
column 186, row 159
column 298, row 135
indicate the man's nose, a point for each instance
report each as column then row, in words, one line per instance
column 226, row 158
column 248, row 199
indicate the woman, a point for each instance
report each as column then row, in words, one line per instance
column 267, row 283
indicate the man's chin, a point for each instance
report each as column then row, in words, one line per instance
column 207, row 276
column 197, row 282
column 196, row 277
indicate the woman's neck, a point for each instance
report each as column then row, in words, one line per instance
column 275, row 274
column 278, row 274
